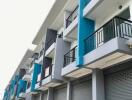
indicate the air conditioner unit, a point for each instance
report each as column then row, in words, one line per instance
column 129, row 42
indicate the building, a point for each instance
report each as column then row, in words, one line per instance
column 83, row 53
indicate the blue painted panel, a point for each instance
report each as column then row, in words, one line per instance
column 5, row 95
column 21, row 87
column 36, row 72
column 85, row 28
column 17, row 77
column 13, row 82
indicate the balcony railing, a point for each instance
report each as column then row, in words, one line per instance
column 41, row 53
column 72, row 16
column 70, row 56
column 28, row 85
column 116, row 27
column 49, row 43
column 48, row 71
column 39, row 78
column 35, row 56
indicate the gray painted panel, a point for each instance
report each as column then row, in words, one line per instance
column 82, row 90
column 62, row 48
column 60, row 93
column 118, row 86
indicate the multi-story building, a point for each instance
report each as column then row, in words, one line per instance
column 84, row 52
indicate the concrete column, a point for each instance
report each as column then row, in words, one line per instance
column 69, row 88
column 62, row 48
column 41, row 96
column 50, row 94
column 98, row 85
column 130, row 10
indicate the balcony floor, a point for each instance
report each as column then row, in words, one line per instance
column 40, row 60
column 73, row 71
column 50, row 51
column 48, row 82
column 70, row 34
column 27, row 77
column 22, row 95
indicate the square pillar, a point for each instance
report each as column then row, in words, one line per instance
column 130, row 7
column 69, row 88
column 98, row 85
column 50, row 94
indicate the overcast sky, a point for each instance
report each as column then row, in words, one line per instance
column 19, row 22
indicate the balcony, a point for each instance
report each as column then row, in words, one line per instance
column 70, row 56
column 70, row 69
column 27, row 77
column 37, row 85
column 50, row 45
column 12, row 97
column 31, row 67
column 70, row 32
column 108, row 45
column 22, row 95
column 50, row 42
column 48, row 80
column 28, row 90
column 28, row 87
column 40, row 58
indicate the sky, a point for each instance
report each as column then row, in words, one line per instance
column 20, row 21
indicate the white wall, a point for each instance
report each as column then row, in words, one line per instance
column 101, row 21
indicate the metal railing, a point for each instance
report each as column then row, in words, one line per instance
column 116, row 27
column 49, row 43
column 72, row 16
column 35, row 56
column 28, row 85
column 41, row 53
column 70, row 56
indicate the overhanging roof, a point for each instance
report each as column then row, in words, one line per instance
column 55, row 10
column 27, row 55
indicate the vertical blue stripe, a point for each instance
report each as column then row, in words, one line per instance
column 36, row 72
column 85, row 28
column 21, row 87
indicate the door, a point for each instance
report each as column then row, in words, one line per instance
column 118, row 85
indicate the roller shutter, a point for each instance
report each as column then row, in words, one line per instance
column 118, row 85
column 82, row 90
column 28, row 97
column 60, row 93
column 44, row 96
column 36, row 97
